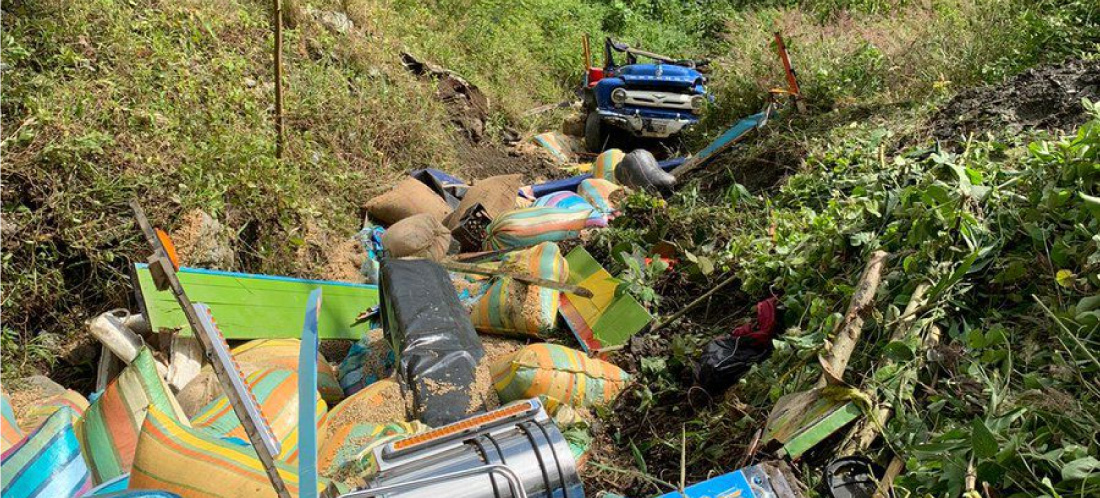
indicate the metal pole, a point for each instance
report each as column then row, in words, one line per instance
column 281, row 134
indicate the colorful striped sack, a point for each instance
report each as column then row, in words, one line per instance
column 193, row 463
column 515, row 308
column 47, row 463
column 38, row 414
column 529, row 226
column 601, row 194
column 569, row 200
column 369, row 360
column 277, row 392
column 348, row 454
column 605, row 164
column 108, row 430
column 10, row 433
column 283, row 353
column 557, row 374
column 563, row 148
column 116, row 485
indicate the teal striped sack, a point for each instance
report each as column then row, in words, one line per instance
column 531, row 226
column 569, row 200
column 47, row 463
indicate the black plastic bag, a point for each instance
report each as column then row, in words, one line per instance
column 639, row 169
column 727, row 358
column 437, row 347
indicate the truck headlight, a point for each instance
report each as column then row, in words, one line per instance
column 618, row 96
column 697, row 103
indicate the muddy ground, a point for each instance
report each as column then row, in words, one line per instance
column 1043, row 98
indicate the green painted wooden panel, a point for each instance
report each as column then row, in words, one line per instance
column 248, row 306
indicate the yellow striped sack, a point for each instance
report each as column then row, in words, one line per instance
column 348, row 453
column 605, row 164
column 558, row 375
column 283, row 353
column 515, row 308
column 194, row 464
column 70, row 398
column 598, row 192
column 10, row 433
column 277, row 392
column 108, row 430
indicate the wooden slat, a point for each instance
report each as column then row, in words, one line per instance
column 257, row 306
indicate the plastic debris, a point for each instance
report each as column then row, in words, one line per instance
column 436, row 345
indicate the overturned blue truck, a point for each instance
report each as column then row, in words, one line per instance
column 649, row 100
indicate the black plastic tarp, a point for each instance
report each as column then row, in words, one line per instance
column 437, row 347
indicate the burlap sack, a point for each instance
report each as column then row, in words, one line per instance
column 420, row 236
column 497, row 194
column 408, row 198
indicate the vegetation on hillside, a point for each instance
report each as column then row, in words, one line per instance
column 171, row 102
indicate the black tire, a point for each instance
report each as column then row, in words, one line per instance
column 594, row 135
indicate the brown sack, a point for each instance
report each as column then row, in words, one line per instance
column 497, row 194
column 406, row 199
column 420, row 236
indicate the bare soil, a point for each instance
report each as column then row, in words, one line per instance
column 1043, row 98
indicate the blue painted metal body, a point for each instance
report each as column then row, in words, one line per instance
column 657, row 77
column 307, row 399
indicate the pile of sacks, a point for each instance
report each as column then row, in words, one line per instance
column 138, row 434
column 424, row 214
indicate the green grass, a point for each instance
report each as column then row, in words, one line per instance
column 170, row 102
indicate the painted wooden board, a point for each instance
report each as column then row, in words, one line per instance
column 610, row 317
column 252, row 306
column 307, row 399
column 727, row 139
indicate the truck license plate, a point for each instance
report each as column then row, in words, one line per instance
column 657, row 127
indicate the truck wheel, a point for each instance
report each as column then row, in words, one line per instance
column 593, row 132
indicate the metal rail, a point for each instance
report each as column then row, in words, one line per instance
column 514, row 484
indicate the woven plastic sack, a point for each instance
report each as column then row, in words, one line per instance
column 347, row 455
column 604, row 165
column 515, row 308
column 530, row 226
column 283, row 353
column 408, row 198
column 418, row 236
column 10, row 433
column 369, row 360
column 110, row 488
column 601, row 194
column 569, row 200
column 559, row 375
column 38, row 414
column 193, row 463
column 46, row 463
column 496, row 194
column 277, row 392
column 379, row 403
column 108, row 430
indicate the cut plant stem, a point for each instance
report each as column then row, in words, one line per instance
column 868, row 431
column 848, row 331
column 692, row 305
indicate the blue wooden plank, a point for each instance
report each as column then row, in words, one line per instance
column 307, row 399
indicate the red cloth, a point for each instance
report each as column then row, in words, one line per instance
column 760, row 333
